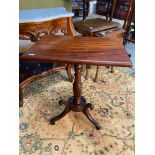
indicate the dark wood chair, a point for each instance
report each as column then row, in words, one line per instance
column 128, row 21
column 99, row 27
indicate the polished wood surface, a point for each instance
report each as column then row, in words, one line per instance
column 79, row 50
column 94, row 25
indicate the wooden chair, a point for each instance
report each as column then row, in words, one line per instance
column 128, row 20
column 99, row 27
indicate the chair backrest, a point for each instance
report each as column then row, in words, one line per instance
column 129, row 15
column 110, row 9
column 85, row 8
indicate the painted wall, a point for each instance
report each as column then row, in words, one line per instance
column 35, row 4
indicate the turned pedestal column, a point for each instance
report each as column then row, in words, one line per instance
column 77, row 103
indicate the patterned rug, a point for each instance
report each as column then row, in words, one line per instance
column 113, row 100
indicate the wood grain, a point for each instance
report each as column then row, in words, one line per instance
column 79, row 50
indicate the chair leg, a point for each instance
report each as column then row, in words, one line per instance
column 96, row 76
column 68, row 69
column 112, row 69
column 20, row 97
column 87, row 71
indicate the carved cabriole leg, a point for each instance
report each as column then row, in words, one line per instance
column 70, row 76
column 70, row 28
column 20, row 97
column 97, row 72
column 66, row 111
column 87, row 114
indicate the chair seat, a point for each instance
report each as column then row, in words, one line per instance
column 110, row 32
column 95, row 24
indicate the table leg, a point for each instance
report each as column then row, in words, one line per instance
column 86, row 112
column 97, row 72
column 20, row 97
column 66, row 111
column 87, row 71
column 77, row 103
column 112, row 69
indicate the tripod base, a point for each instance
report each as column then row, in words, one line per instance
column 82, row 107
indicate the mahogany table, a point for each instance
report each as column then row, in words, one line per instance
column 92, row 51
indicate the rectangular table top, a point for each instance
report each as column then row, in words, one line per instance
column 79, row 50
column 40, row 15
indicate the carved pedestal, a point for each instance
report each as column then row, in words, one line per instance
column 77, row 103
